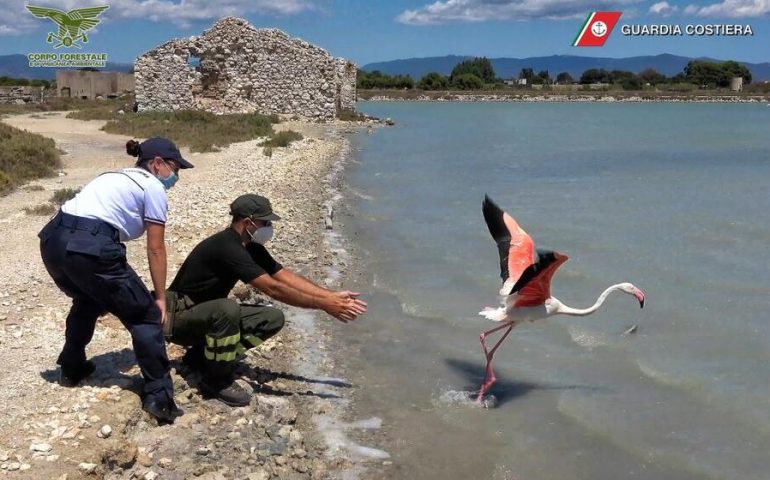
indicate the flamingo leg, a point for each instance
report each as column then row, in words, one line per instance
column 490, row 378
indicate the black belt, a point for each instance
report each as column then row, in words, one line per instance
column 88, row 224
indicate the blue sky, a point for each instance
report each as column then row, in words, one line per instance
column 374, row 30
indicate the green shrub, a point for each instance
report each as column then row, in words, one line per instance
column 201, row 131
column 282, row 139
column 6, row 184
column 25, row 156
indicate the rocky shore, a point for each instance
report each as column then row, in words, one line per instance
column 584, row 98
column 292, row 429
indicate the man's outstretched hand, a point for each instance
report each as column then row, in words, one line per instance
column 345, row 306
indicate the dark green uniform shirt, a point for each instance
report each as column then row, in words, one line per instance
column 217, row 263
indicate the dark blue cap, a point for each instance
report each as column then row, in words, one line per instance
column 163, row 148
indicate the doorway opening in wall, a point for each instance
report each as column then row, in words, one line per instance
column 194, row 62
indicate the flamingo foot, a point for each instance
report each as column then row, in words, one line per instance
column 488, row 401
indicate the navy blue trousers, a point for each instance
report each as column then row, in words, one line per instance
column 88, row 263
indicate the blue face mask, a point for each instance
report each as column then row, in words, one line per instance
column 169, row 181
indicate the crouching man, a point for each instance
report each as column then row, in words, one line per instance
column 216, row 328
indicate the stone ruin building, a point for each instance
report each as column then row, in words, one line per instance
column 236, row 68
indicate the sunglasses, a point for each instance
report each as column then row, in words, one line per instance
column 266, row 223
column 172, row 164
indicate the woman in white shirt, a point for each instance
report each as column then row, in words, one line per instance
column 83, row 252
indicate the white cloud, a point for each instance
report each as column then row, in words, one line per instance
column 733, row 9
column 446, row 11
column 15, row 19
column 663, row 8
column 691, row 10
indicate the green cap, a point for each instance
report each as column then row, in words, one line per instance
column 253, row 206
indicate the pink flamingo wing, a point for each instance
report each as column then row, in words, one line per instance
column 521, row 253
column 538, row 289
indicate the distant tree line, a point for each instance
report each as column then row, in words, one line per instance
column 478, row 73
column 10, row 81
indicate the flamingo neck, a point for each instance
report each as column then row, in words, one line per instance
column 581, row 312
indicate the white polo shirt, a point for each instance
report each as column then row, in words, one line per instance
column 125, row 199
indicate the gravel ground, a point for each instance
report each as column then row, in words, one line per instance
column 98, row 430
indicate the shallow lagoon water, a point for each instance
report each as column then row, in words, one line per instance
column 671, row 197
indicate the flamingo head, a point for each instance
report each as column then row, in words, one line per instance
column 632, row 290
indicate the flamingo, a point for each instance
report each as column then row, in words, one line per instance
column 526, row 289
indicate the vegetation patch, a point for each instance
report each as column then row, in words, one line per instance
column 348, row 115
column 478, row 74
column 61, row 195
column 281, row 139
column 103, row 109
column 201, row 131
column 25, row 156
column 44, row 209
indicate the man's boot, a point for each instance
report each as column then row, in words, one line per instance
column 232, row 394
column 217, row 382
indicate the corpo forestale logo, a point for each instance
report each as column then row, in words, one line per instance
column 71, row 33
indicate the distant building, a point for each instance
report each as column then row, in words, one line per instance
column 89, row 85
column 736, row 84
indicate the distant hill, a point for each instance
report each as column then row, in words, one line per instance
column 17, row 66
column 666, row 64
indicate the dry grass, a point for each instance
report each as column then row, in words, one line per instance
column 62, row 195
column 201, row 131
column 44, row 209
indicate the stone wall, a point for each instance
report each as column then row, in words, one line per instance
column 236, row 68
column 20, row 94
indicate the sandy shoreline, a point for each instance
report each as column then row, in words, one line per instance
column 291, row 429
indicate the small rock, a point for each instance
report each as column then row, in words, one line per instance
column 25, row 466
column 87, row 468
column 104, row 432
column 258, row 475
column 144, row 459
column 165, row 462
column 150, row 475
column 203, row 451
column 13, row 466
column 41, row 447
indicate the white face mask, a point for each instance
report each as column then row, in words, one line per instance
column 262, row 235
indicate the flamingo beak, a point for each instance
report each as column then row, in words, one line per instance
column 640, row 296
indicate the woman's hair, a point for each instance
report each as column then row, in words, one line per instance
column 135, row 150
